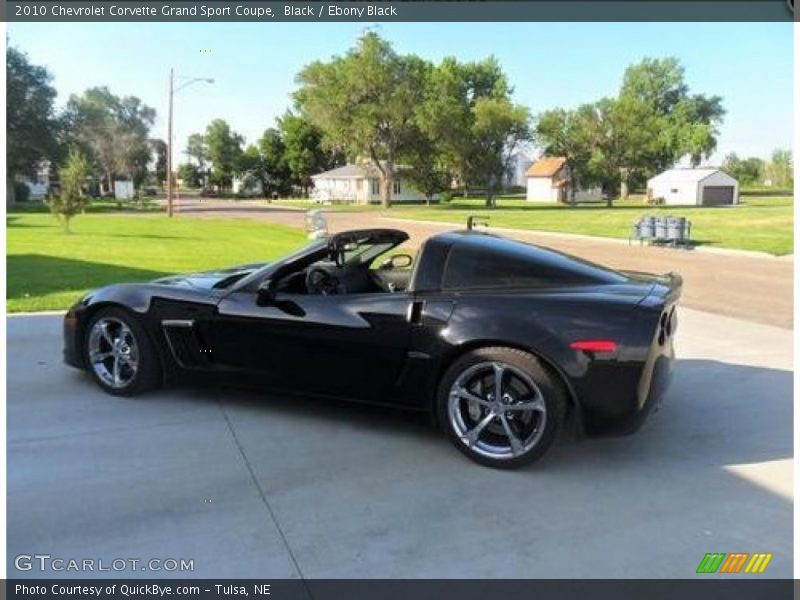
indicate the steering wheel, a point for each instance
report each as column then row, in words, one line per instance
column 319, row 281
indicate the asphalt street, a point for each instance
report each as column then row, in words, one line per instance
column 249, row 485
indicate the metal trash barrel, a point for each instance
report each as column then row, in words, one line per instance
column 676, row 228
column 647, row 227
column 661, row 228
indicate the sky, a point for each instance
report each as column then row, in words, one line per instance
column 548, row 64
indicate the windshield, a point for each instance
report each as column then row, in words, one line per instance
column 365, row 253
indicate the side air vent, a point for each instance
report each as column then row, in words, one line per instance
column 185, row 344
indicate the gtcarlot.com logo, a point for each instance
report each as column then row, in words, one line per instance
column 46, row 562
column 734, row 563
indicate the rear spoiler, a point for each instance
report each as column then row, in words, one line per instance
column 675, row 283
column 666, row 290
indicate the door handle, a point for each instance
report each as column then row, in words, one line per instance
column 415, row 312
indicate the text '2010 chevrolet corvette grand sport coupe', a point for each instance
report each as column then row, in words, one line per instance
column 498, row 339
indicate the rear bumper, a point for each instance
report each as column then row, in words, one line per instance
column 624, row 412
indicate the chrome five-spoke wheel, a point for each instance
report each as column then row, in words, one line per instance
column 497, row 410
column 500, row 406
column 113, row 352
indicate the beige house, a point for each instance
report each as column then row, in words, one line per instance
column 361, row 184
column 549, row 181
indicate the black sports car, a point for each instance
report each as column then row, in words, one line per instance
column 498, row 339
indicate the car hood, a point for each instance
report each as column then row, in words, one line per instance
column 207, row 280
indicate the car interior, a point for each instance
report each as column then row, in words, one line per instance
column 359, row 267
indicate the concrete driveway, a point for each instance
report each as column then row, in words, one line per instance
column 250, row 485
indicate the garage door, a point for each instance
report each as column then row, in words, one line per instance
column 718, row 194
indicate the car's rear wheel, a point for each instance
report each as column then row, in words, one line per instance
column 119, row 354
column 501, row 406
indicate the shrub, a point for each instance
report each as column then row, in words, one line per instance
column 72, row 199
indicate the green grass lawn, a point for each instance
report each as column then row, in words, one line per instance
column 97, row 205
column 763, row 223
column 49, row 269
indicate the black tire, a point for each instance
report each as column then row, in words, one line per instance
column 550, row 387
column 148, row 372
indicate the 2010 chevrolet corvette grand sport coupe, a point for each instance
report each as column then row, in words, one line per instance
column 498, row 339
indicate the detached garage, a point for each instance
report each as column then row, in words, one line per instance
column 702, row 187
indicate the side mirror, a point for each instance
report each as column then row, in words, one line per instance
column 268, row 296
column 266, row 293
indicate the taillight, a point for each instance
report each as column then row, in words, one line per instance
column 594, row 345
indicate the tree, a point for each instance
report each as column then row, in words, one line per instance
column 72, row 181
column 633, row 141
column 647, row 127
column 304, row 152
column 427, row 170
column 114, row 130
column 252, row 168
column 364, row 103
column 446, row 116
column 32, row 128
column 159, row 148
column 266, row 163
column 690, row 123
column 695, row 122
column 224, row 152
column 578, row 136
column 190, row 175
column 780, row 169
column 747, row 171
column 497, row 131
column 273, row 153
column 197, row 149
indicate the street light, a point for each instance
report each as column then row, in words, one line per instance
column 172, row 91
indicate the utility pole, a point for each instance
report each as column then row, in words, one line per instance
column 172, row 90
column 169, row 143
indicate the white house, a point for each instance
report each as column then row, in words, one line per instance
column 361, row 184
column 518, row 167
column 549, row 181
column 706, row 186
column 39, row 184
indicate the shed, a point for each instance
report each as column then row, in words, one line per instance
column 701, row 187
column 549, row 181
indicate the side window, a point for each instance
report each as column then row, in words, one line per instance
column 476, row 267
column 396, row 187
column 494, row 263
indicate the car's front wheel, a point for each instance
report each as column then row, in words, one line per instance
column 119, row 354
column 501, row 407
